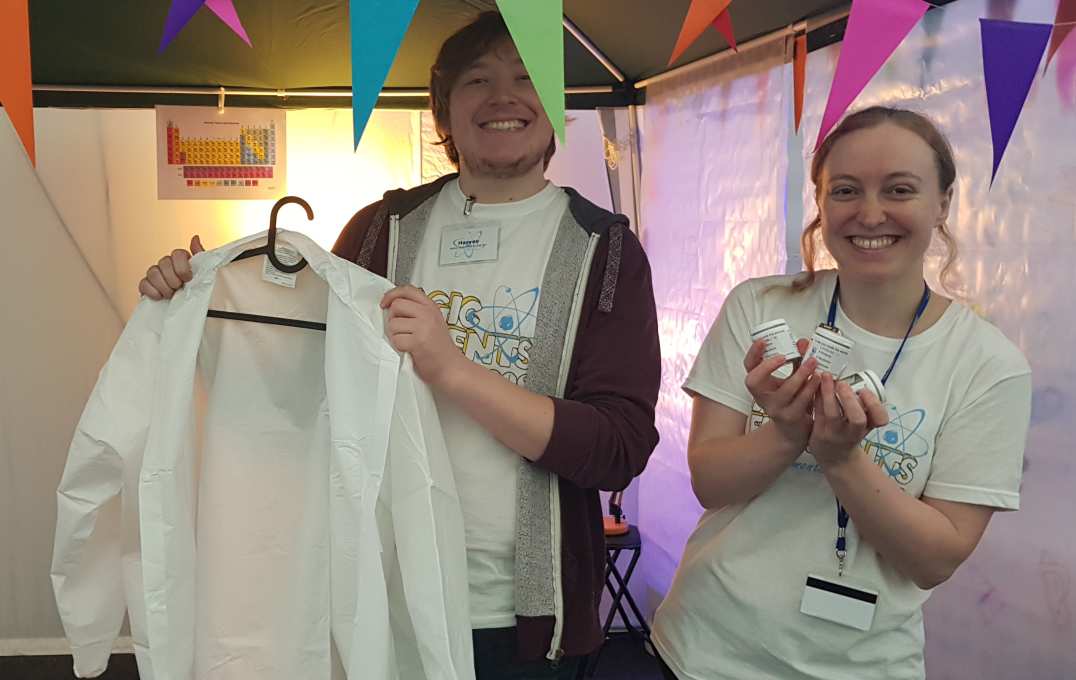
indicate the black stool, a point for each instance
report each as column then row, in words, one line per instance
column 616, row 583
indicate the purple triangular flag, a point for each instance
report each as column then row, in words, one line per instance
column 179, row 14
column 1012, row 51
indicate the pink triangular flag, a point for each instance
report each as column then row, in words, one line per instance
column 875, row 29
column 225, row 10
column 723, row 24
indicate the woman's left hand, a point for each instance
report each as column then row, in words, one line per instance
column 841, row 420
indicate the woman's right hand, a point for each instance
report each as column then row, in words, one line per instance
column 787, row 401
column 170, row 273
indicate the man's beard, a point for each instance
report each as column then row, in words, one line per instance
column 504, row 170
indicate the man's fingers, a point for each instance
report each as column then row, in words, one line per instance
column 181, row 262
column 169, row 273
column 402, row 292
column 147, row 289
column 405, row 308
column 156, row 279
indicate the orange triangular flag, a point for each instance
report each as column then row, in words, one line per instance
column 723, row 24
column 16, row 87
column 701, row 14
column 799, row 73
column 1064, row 23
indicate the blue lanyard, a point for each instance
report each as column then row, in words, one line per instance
column 831, row 320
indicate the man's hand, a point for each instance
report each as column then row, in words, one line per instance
column 416, row 326
column 170, row 273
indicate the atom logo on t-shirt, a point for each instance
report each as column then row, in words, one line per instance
column 898, row 447
column 498, row 335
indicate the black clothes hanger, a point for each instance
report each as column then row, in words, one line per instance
column 269, row 250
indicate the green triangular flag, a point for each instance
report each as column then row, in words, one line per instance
column 538, row 31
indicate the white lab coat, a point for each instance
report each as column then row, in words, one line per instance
column 264, row 502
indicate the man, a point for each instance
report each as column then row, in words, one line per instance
column 552, row 396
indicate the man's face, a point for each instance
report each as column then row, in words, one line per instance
column 496, row 120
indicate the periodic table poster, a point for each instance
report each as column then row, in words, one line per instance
column 205, row 153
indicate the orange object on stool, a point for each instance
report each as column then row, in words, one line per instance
column 615, row 528
column 614, row 522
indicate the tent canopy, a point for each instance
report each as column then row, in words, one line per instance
column 300, row 44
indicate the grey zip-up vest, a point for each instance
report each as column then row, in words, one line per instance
column 538, row 576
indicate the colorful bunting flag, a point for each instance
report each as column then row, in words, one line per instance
column 537, row 29
column 1064, row 22
column 225, row 11
column 1066, row 74
column 799, row 74
column 1012, row 51
column 875, row 30
column 377, row 29
column 182, row 11
column 16, row 86
column 701, row 14
column 723, row 24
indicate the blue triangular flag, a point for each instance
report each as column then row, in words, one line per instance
column 377, row 29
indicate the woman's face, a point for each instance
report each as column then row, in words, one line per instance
column 879, row 201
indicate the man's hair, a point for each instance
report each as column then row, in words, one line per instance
column 458, row 53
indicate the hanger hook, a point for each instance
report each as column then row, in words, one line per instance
column 271, row 245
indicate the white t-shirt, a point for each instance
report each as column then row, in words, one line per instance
column 959, row 405
column 490, row 307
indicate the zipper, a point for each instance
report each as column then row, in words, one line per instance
column 394, row 244
column 555, row 652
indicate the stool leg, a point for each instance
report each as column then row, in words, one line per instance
column 623, row 583
column 618, row 599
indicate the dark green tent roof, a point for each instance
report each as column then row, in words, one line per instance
column 301, row 44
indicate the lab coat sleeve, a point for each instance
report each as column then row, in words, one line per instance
column 428, row 525
column 87, row 576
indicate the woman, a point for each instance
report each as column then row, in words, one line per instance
column 917, row 477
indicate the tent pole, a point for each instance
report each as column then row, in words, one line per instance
column 593, row 49
column 805, row 26
column 636, row 169
column 327, row 93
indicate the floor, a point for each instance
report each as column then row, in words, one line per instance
column 622, row 659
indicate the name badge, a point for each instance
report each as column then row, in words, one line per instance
column 838, row 602
column 470, row 244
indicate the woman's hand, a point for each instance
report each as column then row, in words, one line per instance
column 841, row 420
column 787, row 402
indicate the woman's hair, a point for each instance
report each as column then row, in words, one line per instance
column 862, row 120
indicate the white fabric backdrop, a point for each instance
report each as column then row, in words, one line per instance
column 714, row 165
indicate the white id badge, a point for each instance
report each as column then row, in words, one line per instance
column 839, row 602
column 470, row 244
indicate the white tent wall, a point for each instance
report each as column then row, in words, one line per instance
column 58, row 328
column 79, row 233
column 714, row 165
column 1008, row 612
